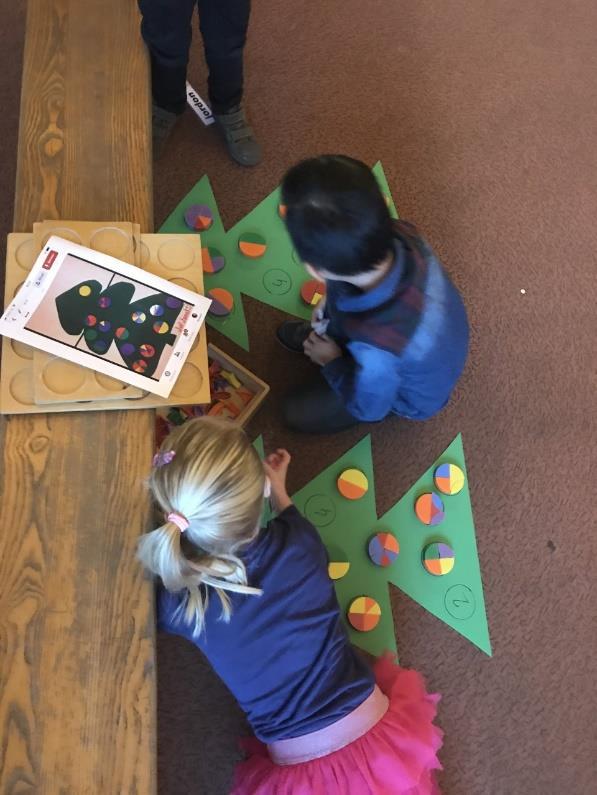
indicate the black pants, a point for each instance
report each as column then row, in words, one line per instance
column 316, row 408
column 166, row 29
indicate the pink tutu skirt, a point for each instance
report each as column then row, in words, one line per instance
column 397, row 756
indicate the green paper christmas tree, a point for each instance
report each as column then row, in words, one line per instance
column 274, row 278
column 347, row 525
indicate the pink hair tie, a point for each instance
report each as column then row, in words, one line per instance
column 179, row 520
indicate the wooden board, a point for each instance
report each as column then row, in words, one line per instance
column 77, row 676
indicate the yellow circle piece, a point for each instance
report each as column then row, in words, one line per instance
column 85, row 290
column 338, row 570
column 353, row 484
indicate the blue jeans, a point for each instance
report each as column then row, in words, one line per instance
column 166, row 29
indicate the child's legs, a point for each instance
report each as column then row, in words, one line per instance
column 223, row 25
column 316, row 408
column 166, row 29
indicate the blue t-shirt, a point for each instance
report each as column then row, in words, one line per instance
column 285, row 655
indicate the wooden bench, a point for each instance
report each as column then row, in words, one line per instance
column 77, row 675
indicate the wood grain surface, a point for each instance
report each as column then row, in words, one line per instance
column 77, row 677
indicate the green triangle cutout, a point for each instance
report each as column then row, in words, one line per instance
column 274, row 279
column 346, row 526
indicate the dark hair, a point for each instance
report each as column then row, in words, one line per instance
column 336, row 215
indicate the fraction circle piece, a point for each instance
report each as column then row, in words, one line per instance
column 90, row 320
column 138, row 317
column 352, row 484
column 84, row 290
column 212, row 259
column 104, row 302
column 364, row 613
column 449, row 478
column 140, row 366
column 173, row 303
column 252, row 244
column 122, row 333
column 312, row 291
column 438, row 559
column 198, row 217
column 104, row 325
column 282, row 210
column 157, row 310
column 161, row 327
column 221, row 302
column 100, row 346
column 429, row 508
column 127, row 349
column 337, row 569
column 146, row 350
column 383, row 549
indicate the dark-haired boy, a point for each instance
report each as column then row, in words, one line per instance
column 392, row 336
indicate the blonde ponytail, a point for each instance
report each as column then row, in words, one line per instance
column 213, row 478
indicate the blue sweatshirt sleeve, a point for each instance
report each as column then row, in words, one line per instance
column 366, row 379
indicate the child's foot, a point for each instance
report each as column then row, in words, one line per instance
column 162, row 124
column 238, row 137
column 292, row 333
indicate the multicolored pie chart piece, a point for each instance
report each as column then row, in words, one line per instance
column 352, row 484
column 364, row 614
column 429, row 508
column 198, row 217
column 383, row 549
column 449, row 478
column 312, row 291
column 222, row 302
column 252, row 245
column 438, row 559
column 337, row 569
column 212, row 259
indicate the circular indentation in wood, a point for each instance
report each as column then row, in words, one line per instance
column 144, row 254
column 176, row 255
column 109, row 384
column 25, row 254
column 112, row 241
column 63, row 377
column 189, row 381
column 21, row 388
column 139, row 397
column 63, row 232
column 22, row 351
column 184, row 283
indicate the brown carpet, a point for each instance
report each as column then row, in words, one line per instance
column 485, row 117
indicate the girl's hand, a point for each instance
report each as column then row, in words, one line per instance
column 321, row 350
column 276, row 467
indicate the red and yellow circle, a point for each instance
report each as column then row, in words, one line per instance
column 364, row 614
column 353, row 484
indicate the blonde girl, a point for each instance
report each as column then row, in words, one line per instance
column 260, row 605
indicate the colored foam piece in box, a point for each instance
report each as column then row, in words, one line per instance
column 174, row 257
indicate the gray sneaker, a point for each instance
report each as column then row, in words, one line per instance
column 238, row 137
column 162, row 124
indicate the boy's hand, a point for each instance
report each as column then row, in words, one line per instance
column 276, row 467
column 319, row 322
column 321, row 349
